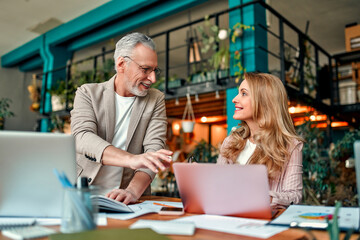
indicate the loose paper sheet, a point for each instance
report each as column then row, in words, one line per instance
column 234, row 225
column 166, row 227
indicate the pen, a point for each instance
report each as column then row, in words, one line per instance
column 160, row 204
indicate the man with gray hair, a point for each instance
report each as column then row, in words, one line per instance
column 120, row 125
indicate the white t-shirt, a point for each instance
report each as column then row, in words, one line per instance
column 109, row 177
column 246, row 153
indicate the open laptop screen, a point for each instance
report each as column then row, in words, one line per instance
column 28, row 185
column 234, row 190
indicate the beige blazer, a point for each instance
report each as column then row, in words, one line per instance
column 93, row 126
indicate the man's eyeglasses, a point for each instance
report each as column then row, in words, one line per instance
column 146, row 70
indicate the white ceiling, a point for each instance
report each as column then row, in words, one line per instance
column 327, row 18
column 17, row 17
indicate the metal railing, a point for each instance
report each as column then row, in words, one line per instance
column 305, row 81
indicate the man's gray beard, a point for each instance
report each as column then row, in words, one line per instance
column 137, row 92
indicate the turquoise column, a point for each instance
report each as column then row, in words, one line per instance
column 254, row 59
column 51, row 63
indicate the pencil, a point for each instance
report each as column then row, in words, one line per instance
column 160, row 204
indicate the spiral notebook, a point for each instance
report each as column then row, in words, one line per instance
column 6, row 222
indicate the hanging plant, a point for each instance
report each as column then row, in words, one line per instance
column 238, row 30
column 238, row 64
column 236, row 33
column 215, row 39
column 34, row 90
column 188, row 119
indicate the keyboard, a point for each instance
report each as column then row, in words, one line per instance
column 28, row 232
column 11, row 222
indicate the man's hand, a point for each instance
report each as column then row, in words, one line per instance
column 152, row 160
column 122, row 195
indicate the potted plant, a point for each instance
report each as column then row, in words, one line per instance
column 204, row 152
column 62, row 91
column 216, row 40
column 5, row 111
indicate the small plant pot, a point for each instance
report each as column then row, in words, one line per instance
column 56, row 103
column 187, row 126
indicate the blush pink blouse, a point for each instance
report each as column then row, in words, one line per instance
column 287, row 188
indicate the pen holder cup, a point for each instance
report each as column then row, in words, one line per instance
column 78, row 211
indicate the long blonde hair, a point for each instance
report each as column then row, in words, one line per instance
column 276, row 130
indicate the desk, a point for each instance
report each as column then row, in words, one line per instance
column 206, row 234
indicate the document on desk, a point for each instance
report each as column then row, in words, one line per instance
column 315, row 217
column 25, row 221
column 143, row 208
column 234, row 225
column 166, row 227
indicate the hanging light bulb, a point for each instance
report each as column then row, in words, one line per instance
column 292, row 109
column 196, row 97
column 217, row 95
column 177, row 101
column 223, row 34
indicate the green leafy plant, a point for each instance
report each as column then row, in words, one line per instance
column 5, row 111
column 216, row 40
column 344, row 148
column 309, row 77
column 56, row 123
column 316, row 165
column 205, row 152
column 343, row 179
column 5, row 108
column 333, row 224
column 325, row 176
column 160, row 82
column 67, row 90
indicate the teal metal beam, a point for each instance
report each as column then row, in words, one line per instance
column 147, row 16
column 94, row 26
column 32, row 64
column 96, row 18
column 79, row 26
column 22, row 54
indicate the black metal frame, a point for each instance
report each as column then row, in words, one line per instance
column 220, row 84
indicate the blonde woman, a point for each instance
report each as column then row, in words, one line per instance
column 266, row 136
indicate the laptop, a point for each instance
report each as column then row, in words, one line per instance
column 231, row 190
column 28, row 185
column 357, row 165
